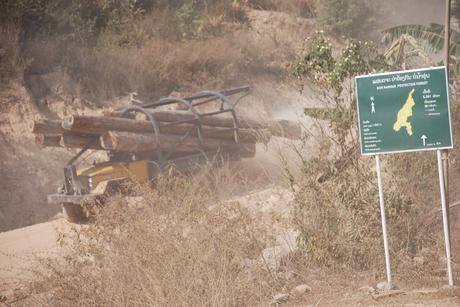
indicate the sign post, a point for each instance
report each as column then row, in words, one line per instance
column 445, row 153
column 445, row 218
column 384, row 223
column 405, row 111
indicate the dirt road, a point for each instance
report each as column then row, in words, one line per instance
column 21, row 249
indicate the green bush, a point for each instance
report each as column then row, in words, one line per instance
column 189, row 21
column 318, row 64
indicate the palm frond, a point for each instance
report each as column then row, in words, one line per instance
column 429, row 37
column 404, row 48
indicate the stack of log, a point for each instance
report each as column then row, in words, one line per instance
column 113, row 132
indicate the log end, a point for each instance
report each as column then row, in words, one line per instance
column 107, row 141
column 47, row 140
column 32, row 126
column 67, row 122
column 39, row 139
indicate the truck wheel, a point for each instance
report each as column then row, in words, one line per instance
column 74, row 213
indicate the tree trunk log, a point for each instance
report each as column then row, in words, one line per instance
column 133, row 142
column 100, row 125
column 47, row 127
column 47, row 140
column 136, row 142
column 282, row 128
column 80, row 141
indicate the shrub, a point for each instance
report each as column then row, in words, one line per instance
column 189, row 21
column 339, row 219
column 169, row 249
column 337, row 209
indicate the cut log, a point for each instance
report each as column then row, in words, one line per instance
column 47, row 140
column 136, row 142
column 80, row 141
column 282, row 128
column 100, row 125
column 68, row 140
column 216, row 120
column 47, row 126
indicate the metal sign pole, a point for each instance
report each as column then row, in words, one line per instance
column 384, row 222
column 445, row 152
column 445, row 220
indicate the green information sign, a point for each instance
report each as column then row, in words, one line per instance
column 404, row 111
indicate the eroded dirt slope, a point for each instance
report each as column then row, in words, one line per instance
column 27, row 172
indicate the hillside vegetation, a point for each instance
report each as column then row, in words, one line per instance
column 59, row 57
column 189, row 241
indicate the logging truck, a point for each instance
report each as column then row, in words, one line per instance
column 144, row 139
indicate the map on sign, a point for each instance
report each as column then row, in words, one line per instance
column 404, row 111
column 404, row 114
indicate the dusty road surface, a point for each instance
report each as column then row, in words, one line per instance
column 21, row 250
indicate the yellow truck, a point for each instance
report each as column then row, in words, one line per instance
column 88, row 185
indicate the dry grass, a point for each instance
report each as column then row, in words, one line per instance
column 168, row 250
column 154, row 69
column 159, row 67
column 161, row 51
column 155, row 54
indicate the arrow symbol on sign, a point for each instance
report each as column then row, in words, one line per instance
column 424, row 137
